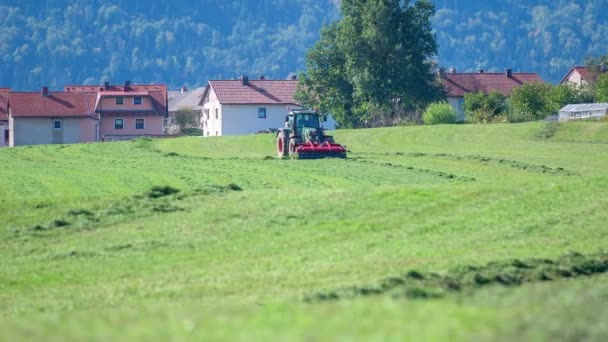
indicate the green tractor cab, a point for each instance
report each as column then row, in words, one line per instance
column 303, row 137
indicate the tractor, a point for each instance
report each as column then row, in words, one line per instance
column 303, row 137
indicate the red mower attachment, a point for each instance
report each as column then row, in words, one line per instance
column 310, row 150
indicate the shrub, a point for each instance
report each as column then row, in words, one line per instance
column 185, row 119
column 482, row 108
column 529, row 102
column 439, row 113
column 602, row 88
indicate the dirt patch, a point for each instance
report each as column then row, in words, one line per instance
column 515, row 272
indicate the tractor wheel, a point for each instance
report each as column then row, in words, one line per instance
column 281, row 150
column 292, row 148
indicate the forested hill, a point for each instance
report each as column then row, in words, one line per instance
column 179, row 42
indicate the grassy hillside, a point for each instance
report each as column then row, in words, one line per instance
column 411, row 237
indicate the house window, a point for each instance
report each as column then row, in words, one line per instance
column 119, row 100
column 139, row 123
column 57, row 124
column 261, row 113
column 217, row 113
column 137, row 100
column 118, row 123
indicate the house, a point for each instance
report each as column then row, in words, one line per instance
column 458, row 84
column 4, row 92
column 577, row 76
column 244, row 106
column 583, row 111
column 184, row 100
column 129, row 110
column 51, row 118
column 86, row 114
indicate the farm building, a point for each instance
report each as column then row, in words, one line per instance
column 457, row 84
column 583, row 111
column 244, row 106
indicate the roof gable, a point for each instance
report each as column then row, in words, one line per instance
column 458, row 84
column 581, row 70
column 55, row 104
column 255, row 92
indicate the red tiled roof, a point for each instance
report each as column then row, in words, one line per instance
column 158, row 93
column 56, row 104
column 4, row 92
column 111, row 87
column 123, row 93
column 256, row 92
column 458, row 84
column 583, row 71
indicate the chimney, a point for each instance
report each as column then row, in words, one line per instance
column 127, row 85
column 508, row 73
column 45, row 91
column 184, row 89
column 262, row 77
column 480, row 71
column 293, row 77
column 106, row 85
column 452, row 70
column 245, row 80
column 441, row 73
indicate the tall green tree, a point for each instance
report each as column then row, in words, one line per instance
column 326, row 85
column 375, row 59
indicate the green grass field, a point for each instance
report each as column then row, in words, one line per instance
column 459, row 232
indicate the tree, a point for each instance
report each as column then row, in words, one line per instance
column 439, row 113
column 375, row 60
column 529, row 102
column 560, row 95
column 326, row 85
column 484, row 108
column 186, row 120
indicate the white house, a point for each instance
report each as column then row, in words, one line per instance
column 583, row 111
column 244, row 106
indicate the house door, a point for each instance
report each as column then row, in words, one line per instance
column 57, row 131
